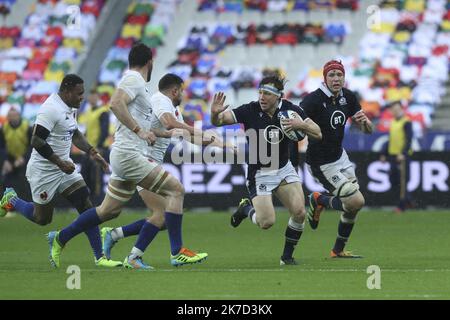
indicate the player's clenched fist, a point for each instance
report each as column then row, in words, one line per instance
column 97, row 157
column 66, row 166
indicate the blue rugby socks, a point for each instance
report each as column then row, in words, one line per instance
column 173, row 222
column 24, row 208
column 84, row 222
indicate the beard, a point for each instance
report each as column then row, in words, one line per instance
column 176, row 102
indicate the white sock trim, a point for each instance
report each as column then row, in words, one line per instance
column 117, row 234
column 347, row 220
column 135, row 252
column 295, row 225
column 254, row 219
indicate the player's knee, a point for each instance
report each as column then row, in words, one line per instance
column 355, row 203
column 157, row 220
column 105, row 213
column 266, row 223
column 84, row 206
column 80, row 199
column 179, row 190
column 299, row 215
column 114, row 213
column 359, row 201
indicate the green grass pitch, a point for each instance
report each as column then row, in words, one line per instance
column 411, row 250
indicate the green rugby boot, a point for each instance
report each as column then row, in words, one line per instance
column 186, row 256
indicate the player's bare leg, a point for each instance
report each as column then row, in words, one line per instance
column 43, row 213
column 259, row 210
column 264, row 215
column 40, row 214
column 157, row 205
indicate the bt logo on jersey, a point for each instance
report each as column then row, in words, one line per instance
column 273, row 134
column 337, row 119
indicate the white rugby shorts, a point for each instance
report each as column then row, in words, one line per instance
column 333, row 175
column 45, row 184
column 130, row 166
column 266, row 181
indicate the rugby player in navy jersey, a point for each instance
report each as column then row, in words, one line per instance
column 269, row 169
column 330, row 106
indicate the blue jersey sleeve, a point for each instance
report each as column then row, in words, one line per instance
column 243, row 114
column 354, row 106
column 307, row 107
column 300, row 111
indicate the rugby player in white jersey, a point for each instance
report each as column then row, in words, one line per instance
column 50, row 169
column 165, row 115
column 130, row 168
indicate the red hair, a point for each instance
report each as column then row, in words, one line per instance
column 333, row 65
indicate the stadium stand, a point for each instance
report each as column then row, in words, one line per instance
column 145, row 21
column 239, row 42
column 137, row 26
column 35, row 58
column 274, row 6
column 233, row 44
column 404, row 58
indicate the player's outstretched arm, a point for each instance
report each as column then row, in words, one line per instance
column 180, row 128
column 219, row 115
column 169, row 122
column 213, row 139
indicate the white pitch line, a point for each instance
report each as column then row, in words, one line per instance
column 331, row 296
column 302, row 270
column 289, row 269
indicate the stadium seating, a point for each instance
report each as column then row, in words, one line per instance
column 238, row 6
column 404, row 58
column 147, row 22
column 232, row 46
column 230, row 57
column 34, row 59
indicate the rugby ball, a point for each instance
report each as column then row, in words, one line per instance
column 295, row 135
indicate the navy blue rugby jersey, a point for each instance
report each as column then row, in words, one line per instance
column 269, row 133
column 331, row 115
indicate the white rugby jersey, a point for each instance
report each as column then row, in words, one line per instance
column 161, row 104
column 58, row 118
column 140, row 109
